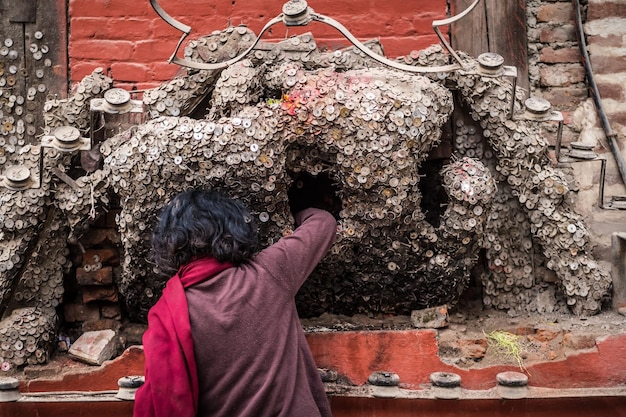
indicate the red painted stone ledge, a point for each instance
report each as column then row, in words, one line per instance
column 412, row 354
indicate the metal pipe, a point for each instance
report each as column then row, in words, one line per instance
column 611, row 136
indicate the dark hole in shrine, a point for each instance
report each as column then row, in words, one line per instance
column 318, row 191
column 434, row 197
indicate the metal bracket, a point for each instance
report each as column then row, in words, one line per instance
column 297, row 13
column 116, row 101
column 64, row 139
column 539, row 109
column 20, row 177
column 491, row 64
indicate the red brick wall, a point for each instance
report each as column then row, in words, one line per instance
column 128, row 39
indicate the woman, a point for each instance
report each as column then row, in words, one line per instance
column 225, row 338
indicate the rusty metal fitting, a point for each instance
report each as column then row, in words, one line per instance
column 9, row 389
column 446, row 385
column 128, row 386
column 512, row 385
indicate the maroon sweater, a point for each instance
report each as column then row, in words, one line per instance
column 251, row 354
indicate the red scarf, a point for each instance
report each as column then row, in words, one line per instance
column 171, row 387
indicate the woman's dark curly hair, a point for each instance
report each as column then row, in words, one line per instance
column 203, row 223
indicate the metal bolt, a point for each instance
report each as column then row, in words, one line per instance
column 446, row 385
column 384, row 379
column 128, row 386
column 512, row 385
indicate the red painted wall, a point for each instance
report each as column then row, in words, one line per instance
column 129, row 40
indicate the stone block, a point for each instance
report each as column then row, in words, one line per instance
column 94, row 347
column 102, row 276
column 95, row 293
column 430, row 318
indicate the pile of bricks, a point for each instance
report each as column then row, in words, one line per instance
column 92, row 301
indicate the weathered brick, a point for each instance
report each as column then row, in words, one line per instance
column 102, row 276
column 87, row 28
column 617, row 117
column 133, row 332
column 97, row 49
column 579, row 341
column 109, row 8
column 432, row 318
column 609, row 63
column 80, row 69
column 564, row 98
column 149, row 51
column 561, row 75
column 600, row 9
column 556, row 13
column 100, row 237
column 127, row 28
column 163, row 71
column 80, row 312
column 545, row 334
column 199, row 8
column 128, row 71
column 562, row 55
column 612, row 40
column 473, row 348
column 102, row 324
column 111, row 311
column 561, row 33
column 609, row 90
column 522, row 330
column 106, row 256
column 96, row 293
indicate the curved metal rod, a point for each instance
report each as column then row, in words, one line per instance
column 448, row 21
column 187, row 29
column 380, row 58
column 610, row 134
column 323, row 19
